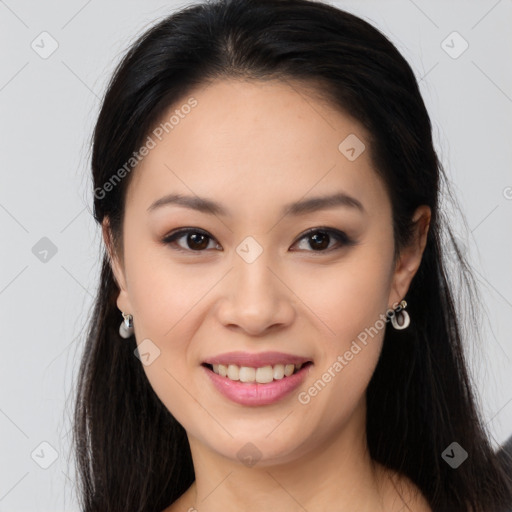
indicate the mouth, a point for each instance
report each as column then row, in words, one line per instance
column 260, row 375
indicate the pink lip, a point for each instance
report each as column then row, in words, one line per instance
column 256, row 360
column 248, row 393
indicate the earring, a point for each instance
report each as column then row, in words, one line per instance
column 126, row 327
column 400, row 318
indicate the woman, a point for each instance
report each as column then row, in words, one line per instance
column 275, row 328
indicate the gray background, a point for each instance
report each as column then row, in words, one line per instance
column 48, row 107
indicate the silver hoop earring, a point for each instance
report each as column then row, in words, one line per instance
column 126, row 327
column 400, row 319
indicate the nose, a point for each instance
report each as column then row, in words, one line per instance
column 256, row 298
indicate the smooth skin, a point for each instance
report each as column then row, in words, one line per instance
column 254, row 147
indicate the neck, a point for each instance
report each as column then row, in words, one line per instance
column 338, row 474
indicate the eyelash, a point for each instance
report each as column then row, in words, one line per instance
column 339, row 236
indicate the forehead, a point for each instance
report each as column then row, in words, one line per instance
column 245, row 142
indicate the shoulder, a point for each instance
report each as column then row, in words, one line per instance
column 401, row 493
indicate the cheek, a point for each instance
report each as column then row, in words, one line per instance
column 163, row 299
column 161, row 293
column 353, row 307
column 348, row 298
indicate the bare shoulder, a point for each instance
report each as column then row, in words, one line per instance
column 402, row 494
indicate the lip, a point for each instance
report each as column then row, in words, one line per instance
column 256, row 394
column 256, row 360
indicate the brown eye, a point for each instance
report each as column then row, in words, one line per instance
column 319, row 239
column 195, row 239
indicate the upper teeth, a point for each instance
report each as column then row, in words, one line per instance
column 261, row 375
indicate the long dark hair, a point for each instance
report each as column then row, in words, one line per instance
column 131, row 453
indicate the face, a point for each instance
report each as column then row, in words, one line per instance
column 256, row 278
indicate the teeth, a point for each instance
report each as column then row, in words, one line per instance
column 262, row 375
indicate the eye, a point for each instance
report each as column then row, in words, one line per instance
column 319, row 239
column 196, row 239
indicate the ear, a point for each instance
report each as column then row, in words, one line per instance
column 410, row 257
column 123, row 301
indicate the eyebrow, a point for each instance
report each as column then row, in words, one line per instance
column 304, row 206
